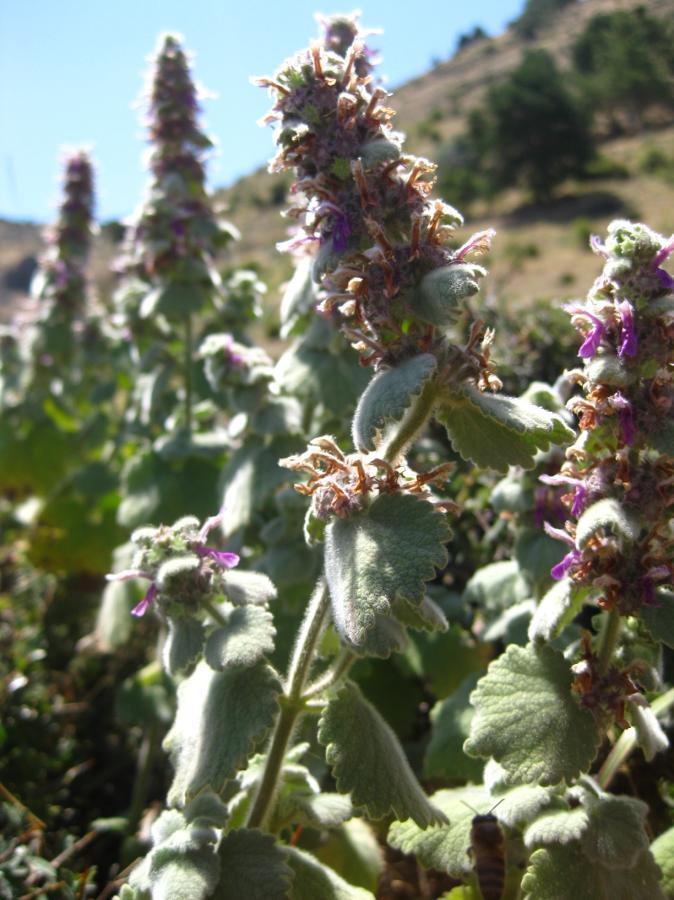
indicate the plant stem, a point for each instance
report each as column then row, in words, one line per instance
column 414, row 420
column 608, row 639
column 213, row 612
column 292, row 705
column 188, row 373
column 342, row 665
column 627, row 741
column 146, row 756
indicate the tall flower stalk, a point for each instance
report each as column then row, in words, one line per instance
column 175, row 236
column 60, row 286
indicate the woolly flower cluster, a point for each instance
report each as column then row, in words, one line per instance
column 621, row 467
column 379, row 244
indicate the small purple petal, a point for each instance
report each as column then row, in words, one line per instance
column 141, row 608
column 628, row 338
column 127, row 575
column 210, row 523
column 559, row 535
column 597, row 246
column 579, row 500
column 666, row 279
column 593, row 339
column 559, row 571
column 663, row 253
column 625, row 417
column 221, row 557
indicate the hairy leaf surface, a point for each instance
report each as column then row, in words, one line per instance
column 527, row 718
column 368, row 762
column 313, row 880
column 496, row 431
column 245, row 640
column 219, row 719
column 388, row 396
column 384, row 552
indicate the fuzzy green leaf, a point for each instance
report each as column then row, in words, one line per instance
column 246, row 639
column 114, row 623
column 219, row 719
column 558, row 826
column 496, row 431
column 248, row 587
column 662, row 849
column 253, row 866
column 354, row 852
column 313, row 880
column 443, row 847
column 544, row 736
column 616, row 837
column 437, row 299
column 384, row 637
column 324, row 810
column 183, row 646
column 384, row 552
column 566, row 872
column 367, row 760
column 250, row 477
column 451, row 718
column 388, row 396
column 428, row 616
column 496, row 587
column 659, row 617
column 557, row 608
column 523, row 803
column 184, row 865
column 610, row 515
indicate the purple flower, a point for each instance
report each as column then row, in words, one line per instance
column 151, row 593
column 665, row 278
column 625, row 417
column 341, row 229
column 628, row 338
column 572, row 557
column 591, row 343
column 140, row 608
column 559, row 571
column 580, row 494
column 221, row 557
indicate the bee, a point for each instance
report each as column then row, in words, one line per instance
column 487, row 849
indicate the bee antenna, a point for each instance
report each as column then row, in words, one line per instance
column 495, row 805
column 471, row 808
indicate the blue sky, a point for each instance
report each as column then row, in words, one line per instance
column 70, row 71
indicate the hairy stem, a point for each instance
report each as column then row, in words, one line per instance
column 608, row 639
column 627, row 741
column 342, row 665
column 291, row 705
column 188, row 373
column 148, row 749
column 213, row 612
column 414, row 420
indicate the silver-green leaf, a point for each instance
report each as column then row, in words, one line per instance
column 314, row 880
column 220, row 718
column 367, row 760
column 246, row 639
column 382, row 553
column 388, row 396
column 528, row 719
column 496, row 431
column 252, row 866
